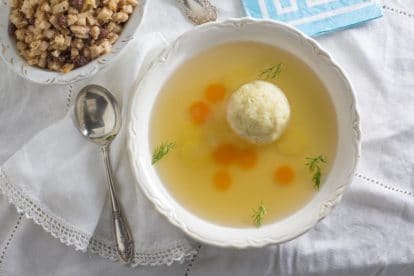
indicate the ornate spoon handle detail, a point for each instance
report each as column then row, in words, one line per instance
column 122, row 233
column 198, row 11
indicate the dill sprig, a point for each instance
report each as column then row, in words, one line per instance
column 259, row 214
column 161, row 151
column 314, row 163
column 272, row 72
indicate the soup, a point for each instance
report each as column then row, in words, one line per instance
column 220, row 176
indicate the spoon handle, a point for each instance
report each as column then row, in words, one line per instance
column 198, row 11
column 123, row 238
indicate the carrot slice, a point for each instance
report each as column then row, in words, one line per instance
column 222, row 180
column 225, row 154
column 247, row 159
column 199, row 112
column 284, row 175
column 215, row 93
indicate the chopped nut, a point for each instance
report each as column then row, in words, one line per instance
column 90, row 3
column 55, row 53
column 113, row 5
column 27, row 9
column 133, row 3
column 43, row 46
column 15, row 17
column 73, row 10
column 80, row 60
column 68, row 40
column 42, row 60
column 33, row 61
column 95, row 30
column 106, row 46
column 21, row 24
column 59, row 41
column 104, row 15
column 45, row 7
column 61, row 7
column 128, row 9
column 31, row 29
column 120, row 17
column 20, row 34
column 91, row 20
column 80, row 31
column 49, row 34
column 114, row 28
column 81, row 20
column 113, row 38
column 35, row 44
column 103, row 33
column 21, row 46
column 87, row 53
column 28, row 37
column 14, row 3
column 74, row 53
column 77, row 4
column 43, row 25
column 96, row 51
column 54, row 21
column 62, row 21
column 38, row 36
column 71, row 19
column 40, row 16
column 78, row 44
column 53, row 65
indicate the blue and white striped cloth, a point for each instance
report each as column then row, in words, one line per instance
column 315, row 17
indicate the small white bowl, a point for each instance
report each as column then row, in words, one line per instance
column 16, row 63
column 281, row 36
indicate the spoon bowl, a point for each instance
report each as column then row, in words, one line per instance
column 97, row 114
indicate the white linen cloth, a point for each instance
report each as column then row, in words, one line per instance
column 368, row 233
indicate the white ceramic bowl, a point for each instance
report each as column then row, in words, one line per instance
column 281, row 36
column 15, row 62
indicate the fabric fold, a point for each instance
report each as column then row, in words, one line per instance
column 57, row 178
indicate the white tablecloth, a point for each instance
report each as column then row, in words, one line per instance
column 369, row 233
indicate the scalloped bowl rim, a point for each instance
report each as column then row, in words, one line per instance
column 17, row 64
column 198, row 228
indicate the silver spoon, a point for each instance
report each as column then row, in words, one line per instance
column 198, row 11
column 98, row 118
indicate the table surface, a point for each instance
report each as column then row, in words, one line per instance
column 379, row 58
